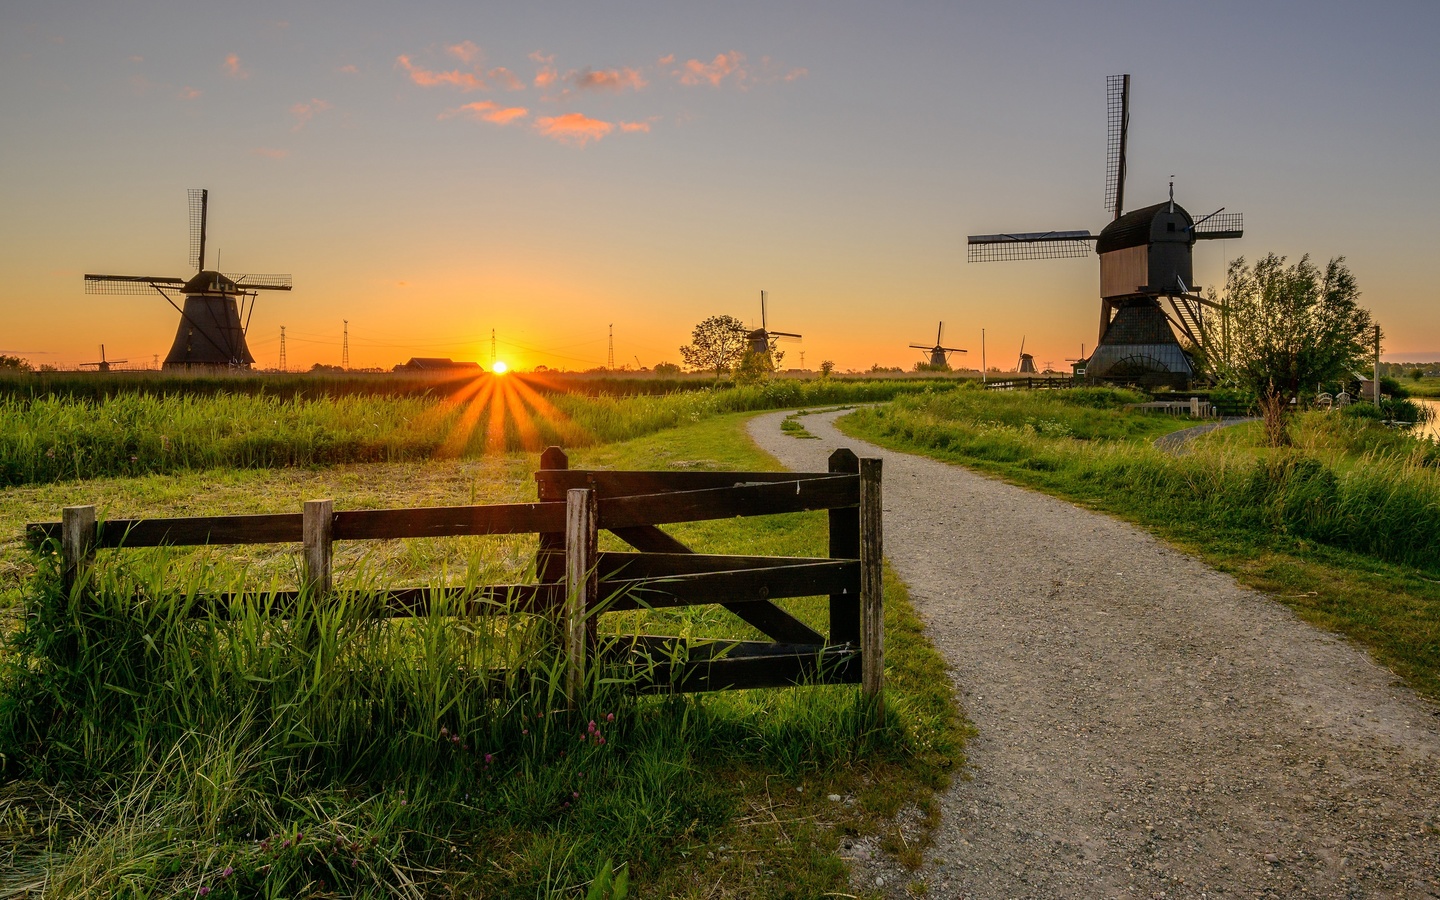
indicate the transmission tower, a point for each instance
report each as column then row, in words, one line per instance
column 492, row 348
column 610, row 361
column 345, row 346
column 802, row 359
column 282, row 348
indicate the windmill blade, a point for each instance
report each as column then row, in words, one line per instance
column 261, row 282
column 762, row 311
column 1219, row 226
column 939, row 334
column 128, row 284
column 1117, row 122
column 1028, row 245
column 922, row 347
column 953, row 350
column 199, row 212
column 786, row 335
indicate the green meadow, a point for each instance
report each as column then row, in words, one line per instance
column 147, row 750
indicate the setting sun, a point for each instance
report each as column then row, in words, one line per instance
column 500, row 368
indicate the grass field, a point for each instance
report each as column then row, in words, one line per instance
column 71, row 436
column 149, row 753
column 1344, row 527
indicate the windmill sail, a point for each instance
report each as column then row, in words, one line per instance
column 1029, row 245
column 1219, row 226
column 128, row 284
column 261, row 282
column 1117, row 121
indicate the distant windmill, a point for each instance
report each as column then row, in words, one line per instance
column 1145, row 255
column 1026, row 364
column 104, row 364
column 762, row 340
column 214, row 320
column 939, row 356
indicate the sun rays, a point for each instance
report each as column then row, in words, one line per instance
column 500, row 412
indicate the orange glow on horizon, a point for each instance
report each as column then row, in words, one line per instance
column 500, row 367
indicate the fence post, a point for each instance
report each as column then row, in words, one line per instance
column 872, row 586
column 549, row 557
column 77, row 544
column 581, row 584
column 845, row 544
column 318, row 526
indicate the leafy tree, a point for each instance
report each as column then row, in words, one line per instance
column 827, row 366
column 1291, row 327
column 717, row 343
column 14, row 364
column 1417, row 374
column 666, row 370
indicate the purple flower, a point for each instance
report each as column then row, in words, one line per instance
column 229, row 870
column 591, row 727
column 609, row 717
column 204, row 890
column 524, row 731
column 285, row 844
column 489, row 758
column 455, row 739
column 404, row 802
column 575, row 795
column 600, row 740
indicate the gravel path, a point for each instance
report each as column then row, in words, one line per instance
column 1147, row 727
column 1175, row 441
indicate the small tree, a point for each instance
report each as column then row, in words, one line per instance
column 716, row 343
column 1289, row 329
column 827, row 366
column 666, row 370
column 14, row 364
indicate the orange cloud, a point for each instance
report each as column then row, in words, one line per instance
column 635, row 126
column 349, row 70
column 796, row 73
column 667, row 59
column 270, row 153
column 507, row 78
column 723, row 66
column 489, row 111
column 304, row 112
column 189, row 93
column 465, row 51
column 609, row 79
column 465, row 81
column 233, row 68
column 573, row 128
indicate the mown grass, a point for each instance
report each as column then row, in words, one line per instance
column 60, row 437
column 1344, row 527
column 150, row 751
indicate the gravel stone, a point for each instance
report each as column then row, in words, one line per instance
column 1146, row 726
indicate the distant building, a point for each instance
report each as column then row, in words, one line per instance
column 436, row 364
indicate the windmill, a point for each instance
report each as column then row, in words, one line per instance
column 939, row 356
column 762, row 340
column 1025, row 365
column 104, row 364
column 1145, row 256
column 214, row 319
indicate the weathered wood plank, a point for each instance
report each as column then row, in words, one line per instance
column 671, row 648
column 872, row 585
column 581, row 592
column 448, row 521
column 77, row 544
column 185, row 531
column 319, row 527
column 738, row 587
column 840, row 665
column 829, row 492
column 612, row 483
column 550, row 555
column 655, row 565
column 845, row 544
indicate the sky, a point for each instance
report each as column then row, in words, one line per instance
column 439, row 172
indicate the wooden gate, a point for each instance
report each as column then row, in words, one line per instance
column 577, row 582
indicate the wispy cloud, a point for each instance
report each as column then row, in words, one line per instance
column 233, row 68
column 608, row 79
column 349, row 70
column 465, row 51
column 465, row 81
column 270, row 152
column 639, row 126
column 576, row 129
column 546, row 75
column 304, row 112
column 190, row 93
column 488, row 111
column 723, row 66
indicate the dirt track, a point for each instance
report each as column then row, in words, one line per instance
column 1147, row 728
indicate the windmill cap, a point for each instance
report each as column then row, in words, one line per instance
column 210, row 282
column 1138, row 228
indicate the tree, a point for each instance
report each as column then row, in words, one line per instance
column 826, row 367
column 1289, row 329
column 716, row 343
column 666, row 370
column 14, row 364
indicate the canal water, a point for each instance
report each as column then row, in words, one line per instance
column 1430, row 429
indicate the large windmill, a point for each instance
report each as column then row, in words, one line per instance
column 762, row 340
column 1145, row 256
column 939, row 356
column 215, row 318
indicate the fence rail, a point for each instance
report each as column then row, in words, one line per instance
column 576, row 581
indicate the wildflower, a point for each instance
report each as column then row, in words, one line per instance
column 204, row 890
column 609, row 717
column 575, row 795
column 489, row 758
column 444, row 732
column 229, row 870
column 134, row 458
column 600, row 740
column 50, row 453
column 404, row 802
column 265, row 846
column 591, row 727
column 524, row 731
column 455, row 739
column 285, row 845
column 465, row 747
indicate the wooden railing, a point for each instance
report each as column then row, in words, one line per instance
column 576, row 582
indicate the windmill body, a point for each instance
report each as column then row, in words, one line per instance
column 762, row 339
column 215, row 317
column 1145, row 262
column 939, row 355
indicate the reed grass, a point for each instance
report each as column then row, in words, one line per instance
column 55, row 438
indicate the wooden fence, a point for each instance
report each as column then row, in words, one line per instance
column 576, row 582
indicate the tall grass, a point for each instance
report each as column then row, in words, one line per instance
column 54, row 439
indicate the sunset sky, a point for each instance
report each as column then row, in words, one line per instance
column 545, row 170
